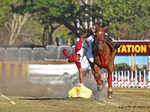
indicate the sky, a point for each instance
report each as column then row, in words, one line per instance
column 140, row 60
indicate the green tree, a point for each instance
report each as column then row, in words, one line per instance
column 121, row 67
column 123, row 17
column 5, row 11
column 52, row 14
column 132, row 14
column 13, row 22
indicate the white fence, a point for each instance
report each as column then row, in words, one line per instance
column 128, row 79
column 53, row 73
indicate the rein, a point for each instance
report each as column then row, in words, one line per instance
column 98, row 50
column 95, row 48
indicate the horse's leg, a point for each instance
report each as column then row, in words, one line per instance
column 110, row 71
column 101, row 93
column 109, row 84
column 97, row 77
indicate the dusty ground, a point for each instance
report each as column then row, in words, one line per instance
column 33, row 98
column 124, row 100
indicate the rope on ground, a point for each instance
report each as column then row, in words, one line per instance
column 7, row 98
column 103, row 103
column 100, row 103
column 114, row 104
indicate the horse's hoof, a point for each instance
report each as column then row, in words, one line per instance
column 109, row 94
column 109, row 97
column 101, row 95
column 99, row 87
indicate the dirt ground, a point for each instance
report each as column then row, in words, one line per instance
column 31, row 98
column 36, row 98
column 124, row 100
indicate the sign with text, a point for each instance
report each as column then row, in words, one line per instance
column 139, row 48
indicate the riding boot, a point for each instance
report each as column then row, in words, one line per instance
column 115, row 45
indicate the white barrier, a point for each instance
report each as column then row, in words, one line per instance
column 53, row 73
column 128, row 79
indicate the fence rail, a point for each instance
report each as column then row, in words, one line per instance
column 23, row 54
column 128, row 79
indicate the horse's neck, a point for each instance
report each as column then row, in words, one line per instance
column 107, row 50
column 114, row 54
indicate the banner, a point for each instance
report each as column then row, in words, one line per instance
column 141, row 48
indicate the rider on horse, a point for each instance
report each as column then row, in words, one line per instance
column 84, row 48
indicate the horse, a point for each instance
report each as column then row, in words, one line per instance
column 104, row 55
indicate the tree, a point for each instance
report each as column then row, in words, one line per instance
column 14, row 27
column 52, row 12
column 135, row 14
column 5, row 10
column 123, row 17
column 4, row 16
column 122, row 67
column 13, row 22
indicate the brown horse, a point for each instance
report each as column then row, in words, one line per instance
column 104, row 55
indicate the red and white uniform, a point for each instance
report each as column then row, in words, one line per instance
column 84, row 49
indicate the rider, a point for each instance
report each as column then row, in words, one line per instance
column 84, row 48
column 78, row 55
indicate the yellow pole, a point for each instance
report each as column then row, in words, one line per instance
column 25, row 71
column 131, row 62
column 7, row 70
column 135, row 61
column 16, row 70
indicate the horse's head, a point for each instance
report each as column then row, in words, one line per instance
column 100, row 32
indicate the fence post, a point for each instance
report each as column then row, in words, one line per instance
column 136, row 78
column 128, row 77
column 144, row 78
column 149, row 71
